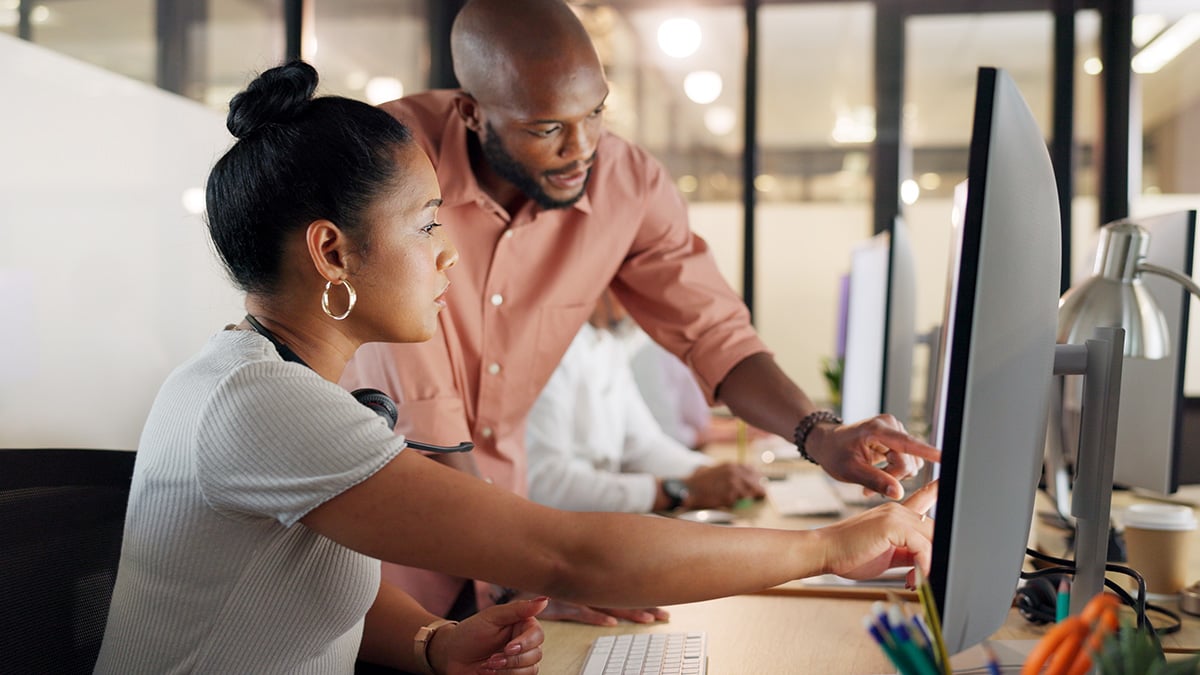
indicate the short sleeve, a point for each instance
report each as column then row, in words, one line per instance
column 276, row 440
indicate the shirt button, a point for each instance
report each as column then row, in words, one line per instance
column 497, row 299
column 486, row 432
column 494, row 368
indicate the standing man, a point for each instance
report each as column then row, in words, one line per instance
column 548, row 210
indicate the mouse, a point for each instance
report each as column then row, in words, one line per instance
column 713, row 516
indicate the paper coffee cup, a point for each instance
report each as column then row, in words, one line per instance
column 1158, row 539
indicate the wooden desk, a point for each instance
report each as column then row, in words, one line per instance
column 795, row 628
column 780, row 635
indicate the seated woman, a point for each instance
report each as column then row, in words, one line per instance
column 594, row 445
column 265, row 495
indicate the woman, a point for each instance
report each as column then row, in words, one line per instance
column 264, row 494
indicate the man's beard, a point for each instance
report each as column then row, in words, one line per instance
column 510, row 170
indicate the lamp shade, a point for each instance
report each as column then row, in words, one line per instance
column 1115, row 296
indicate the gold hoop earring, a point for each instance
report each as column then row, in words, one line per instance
column 352, row 298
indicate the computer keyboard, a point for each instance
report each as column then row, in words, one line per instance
column 805, row 494
column 648, row 654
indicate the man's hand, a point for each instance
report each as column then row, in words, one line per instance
column 722, row 485
column 876, row 453
column 561, row 610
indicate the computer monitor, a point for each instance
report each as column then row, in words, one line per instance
column 995, row 366
column 1151, row 444
column 880, row 327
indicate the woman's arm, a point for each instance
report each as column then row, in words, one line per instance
column 419, row 513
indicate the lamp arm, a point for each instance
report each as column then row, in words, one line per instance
column 1171, row 274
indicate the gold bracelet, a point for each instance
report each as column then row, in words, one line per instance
column 421, row 644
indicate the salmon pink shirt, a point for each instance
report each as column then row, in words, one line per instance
column 527, row 281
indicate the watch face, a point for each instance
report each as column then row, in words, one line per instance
column 674, row 488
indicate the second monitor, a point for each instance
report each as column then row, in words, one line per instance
column 880, row 332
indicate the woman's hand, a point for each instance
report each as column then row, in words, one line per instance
column 503, row 639
column 876, row 453
column 890, row 535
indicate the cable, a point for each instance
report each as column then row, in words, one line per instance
column 1139, row 605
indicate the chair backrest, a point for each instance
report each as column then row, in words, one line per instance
column 62, row 516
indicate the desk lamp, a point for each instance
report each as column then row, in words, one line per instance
column 1114, row 296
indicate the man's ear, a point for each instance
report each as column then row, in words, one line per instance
column 328, row 248
column 468, row 111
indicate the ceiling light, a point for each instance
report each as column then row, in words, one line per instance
column 855, row 126
column 1145, row 27
column 1093, row 66
column 679, row 38
column 720, row 120
column 765, row 182
column 383, row 89
column 702, row 86
column 910, row 192
column 1169, row 43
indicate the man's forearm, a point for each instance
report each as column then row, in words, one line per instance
column 759, row 392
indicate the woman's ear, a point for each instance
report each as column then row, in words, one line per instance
column 328, row 248
column 468, row 110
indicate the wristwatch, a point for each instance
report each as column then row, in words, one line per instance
column 421, row 644
column 676, row 491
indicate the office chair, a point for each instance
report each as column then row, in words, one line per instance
column 62, row 515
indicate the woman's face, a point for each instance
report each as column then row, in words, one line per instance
column 401, row 279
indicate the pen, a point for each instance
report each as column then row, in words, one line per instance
column 921, row 661
column 914, row 631
column 881, row 613
column 924, row 633
column 993, row 664
column 888, row 645
column 1062, row 607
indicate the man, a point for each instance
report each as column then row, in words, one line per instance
column 547, row 211
column 593, row 444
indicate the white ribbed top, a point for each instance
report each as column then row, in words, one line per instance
column 217, row 575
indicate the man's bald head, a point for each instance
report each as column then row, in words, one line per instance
column 506, row 49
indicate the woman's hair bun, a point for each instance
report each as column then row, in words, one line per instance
column 274, row 97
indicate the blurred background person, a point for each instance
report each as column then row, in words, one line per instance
column 594, row 445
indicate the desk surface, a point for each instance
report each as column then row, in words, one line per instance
column 797, row 628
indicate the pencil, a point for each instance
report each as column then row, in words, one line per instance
column 925, row 592
column 1062, row 606
column 743, row 440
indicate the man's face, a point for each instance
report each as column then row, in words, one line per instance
column 550, row 190
column 546, row 147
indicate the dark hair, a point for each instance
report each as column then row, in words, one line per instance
column 297, row 159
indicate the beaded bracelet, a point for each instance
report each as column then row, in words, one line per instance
column 806, row 426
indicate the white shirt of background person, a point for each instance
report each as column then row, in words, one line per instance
column 592, row 443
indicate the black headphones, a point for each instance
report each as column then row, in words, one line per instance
column 1037, row 599
column 374, row 399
